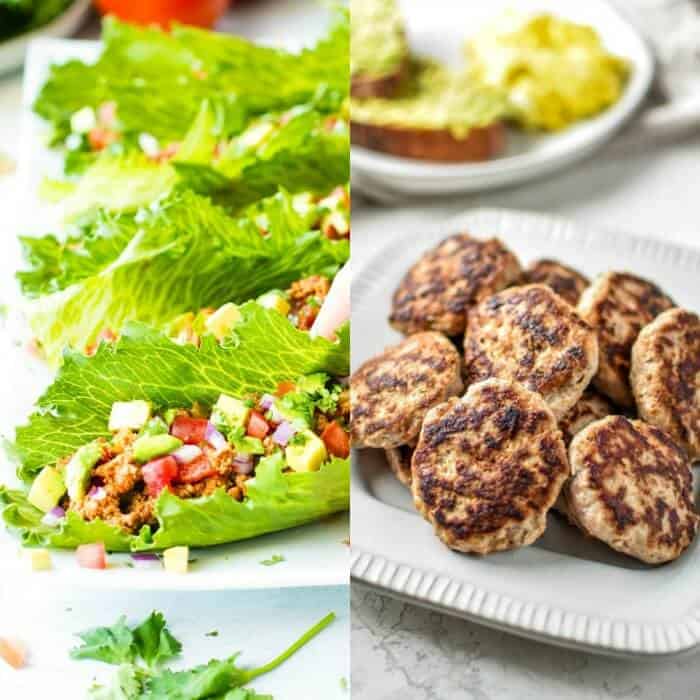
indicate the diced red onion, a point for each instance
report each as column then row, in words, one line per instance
column 267, row 401
column 97, row 493
column 54, row 516
column 243, row 464
column 284, row 433
column 214, row 437
column 145, row 560
column 186, row 454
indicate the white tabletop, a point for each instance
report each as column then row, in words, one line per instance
column 401, row 652
column 260, row 624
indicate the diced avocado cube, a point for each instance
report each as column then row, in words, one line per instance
column 47, row 490
column 220, row 323
column 176, row 560
column 83, row 120
column 78, row 470
column 312, row 383
column 306, row 457
column 170, row 415
column 249, row 446
column 131, row 415
column 39, row 559
column 275, row 300
column 234, row 412
column 149, row 447
column 155, row 426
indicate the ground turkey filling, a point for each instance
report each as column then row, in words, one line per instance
column 119, row 495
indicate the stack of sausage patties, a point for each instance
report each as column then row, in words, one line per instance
column 580, row 397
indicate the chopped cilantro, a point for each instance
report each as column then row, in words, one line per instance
column 274, row 559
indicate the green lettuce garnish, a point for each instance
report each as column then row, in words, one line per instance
column 179, row 255
column 263, row 350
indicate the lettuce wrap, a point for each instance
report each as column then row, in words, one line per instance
column 263, row 351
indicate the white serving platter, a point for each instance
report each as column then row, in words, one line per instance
column 564, row 589
column 439, row 29
column 315, row 554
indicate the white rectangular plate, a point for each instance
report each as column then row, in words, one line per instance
column 315, row 555
column 563, row 589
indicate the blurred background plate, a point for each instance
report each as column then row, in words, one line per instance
column 439, row 29
column 13, row 51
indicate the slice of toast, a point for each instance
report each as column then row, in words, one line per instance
column 479, row 144
column 364, row 86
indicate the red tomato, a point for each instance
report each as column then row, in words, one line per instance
column 201, row 13
column 257, row 425
column 336, row 440
column 198, row 469
column 100, row 138
column 92, row 556
column 190, row 430
column 159, row 473
column 284, row 388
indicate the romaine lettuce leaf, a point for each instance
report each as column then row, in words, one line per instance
column 144, row 364
column 159, row 80
column 181, row 254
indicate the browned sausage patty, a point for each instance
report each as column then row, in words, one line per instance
column 399, row 459
column 592, row 406
column 665, row 376
column 488, row 467
column 618, row 305
column 632, row 488
column 441, row 286
column 392, row 392
column 531, row 335
column 565, row 281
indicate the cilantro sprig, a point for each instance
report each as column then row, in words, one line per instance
column 141, row 651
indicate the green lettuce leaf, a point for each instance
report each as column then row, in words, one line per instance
column 159, row 80
column 181, row 254
column 263, row 351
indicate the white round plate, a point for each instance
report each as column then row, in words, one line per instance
column 439, row 29
column 13, row 51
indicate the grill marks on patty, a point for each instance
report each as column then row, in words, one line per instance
column 632, row 488
column 488, row 467
column 392, row 392
column 665, row 376
column 618, row 305
column 564, row 280
column 531, row 335
column 438, row 290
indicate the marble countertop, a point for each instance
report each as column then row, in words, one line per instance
column 402, row 652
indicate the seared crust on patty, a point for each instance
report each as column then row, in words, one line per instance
column 618, row 305
column 488, row 467
column 392, row 392
column 591, row 407
column 399, row 459
column 665, row 376
column 632, row 488
column 531, row 335
column 564, row 280
column 441, row 286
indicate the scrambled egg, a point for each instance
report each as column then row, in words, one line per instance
column 555, row 72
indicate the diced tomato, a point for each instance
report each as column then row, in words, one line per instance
column 159, row 474
column 336, row 440
column 257, row 425
column 99, row 138
column 191, row 431
column 107, row 113
column 92, row 556
column 14, row 652
column 284, row 388
column 198, row 469
column 201, row 13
